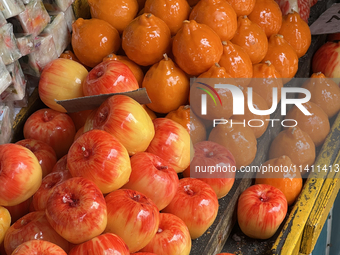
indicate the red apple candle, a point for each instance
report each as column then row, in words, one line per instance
column 101, row 158
column 260, row 211
column 77, row 210
column 132, row 216
column 52, row 127
column 196, row 204
column 20, row 174
column 40, row 247
column 153, row 177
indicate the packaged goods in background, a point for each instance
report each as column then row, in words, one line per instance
column 11, row 8
column 5, row 77
column 59, row 31
column 6, row 121
column 69, row 17
column 3, row 20
column 44, row 52
column 32, row 20
column 57, row 5
column 9, row 51
column 18, row 104
column 17, row 89
column 25, row 43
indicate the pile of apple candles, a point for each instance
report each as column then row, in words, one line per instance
column 32, row 33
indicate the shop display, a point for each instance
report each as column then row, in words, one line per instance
column 165, row 128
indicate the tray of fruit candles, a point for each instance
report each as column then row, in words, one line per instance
column 144, row 193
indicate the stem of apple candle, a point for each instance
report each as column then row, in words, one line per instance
column 162, row 167
column 188, row 190
column 70, row 201
column 85, row 152
column 46, row 116
column 263, row 198
column 136, row 198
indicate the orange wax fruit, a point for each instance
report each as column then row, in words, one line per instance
column 282, row 56
column 181, row 116
column 135, row 69
column 184, row 116
column 242, row 7
column 267, row 14
column 196, row 47
column 296, row 32
column 215, row 71
column 150, row 112
column 69, row 55
column 141, row 12
column 172, row 12
column 288, row 179
column 251, row 38
column 141, row 4
column 146, row 39
column 237, row 62
column 198, row 131
column 220, row 105
column 167, row 86
column 324, row 92
column 316, row 125
column 118, row 13
column 260, row 125
column 296, row 144
column 93, row 39
column 238, row 139
column 192, row 2
column 265, row 78
column 207, row 123
column 218, row 15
